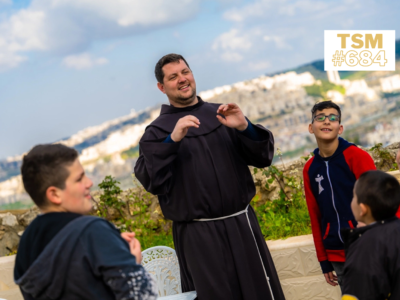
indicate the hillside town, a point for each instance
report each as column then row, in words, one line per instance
column 281, row 103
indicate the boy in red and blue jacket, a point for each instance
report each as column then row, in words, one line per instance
column 329, row 178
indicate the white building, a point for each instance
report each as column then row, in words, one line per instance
column 390, row 84
column 333, row 76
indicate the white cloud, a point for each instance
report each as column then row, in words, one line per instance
column 231, row 57
column 291, row 31
column 5, row 2
column 83, row 61
column 259, row 66
column 266, row 8
column 232, row 40
column 279, row 41
column 70, row 26
column 22, row 32
column 231, row 44
column 275, row 9
column 10, row 60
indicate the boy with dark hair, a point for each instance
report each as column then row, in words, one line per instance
column 65, row 255
column 329, row 178
column 372, row 268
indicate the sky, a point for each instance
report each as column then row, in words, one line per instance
column 69, row 64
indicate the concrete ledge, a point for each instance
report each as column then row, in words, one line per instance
column 309, row 288
column 295, row 261
column 299, row 270
column 296, row 241
column 395, row 174
column 8, row 289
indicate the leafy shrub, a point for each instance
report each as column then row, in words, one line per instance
column 387, row 161
column 132, row 214
column 281, row 218
column 287, row 215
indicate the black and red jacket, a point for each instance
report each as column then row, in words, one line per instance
column 328, row 184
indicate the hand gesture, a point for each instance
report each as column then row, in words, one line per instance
column 331, row 278
column 234, row 117
column 398, row 159
column 134, row 245
column 182, row 127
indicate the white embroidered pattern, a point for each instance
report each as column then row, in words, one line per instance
column 319, row 179
column 141, row 286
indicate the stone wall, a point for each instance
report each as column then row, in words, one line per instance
column 295, row 261
column 12, row 225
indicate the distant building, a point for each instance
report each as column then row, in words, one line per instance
column 359, row 87
column 335, row 96
column 390, row 84
column 333, row 76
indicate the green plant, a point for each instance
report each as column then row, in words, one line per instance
column 130, row 211
column 130, row 153
column 388, row 162
column 307, row 157
column 12, row 253
column 320, row 90
column 17, row 205
column 286, row 215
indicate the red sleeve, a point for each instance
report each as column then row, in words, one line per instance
column 358, row 160
column 315, row 214
column 398, row 213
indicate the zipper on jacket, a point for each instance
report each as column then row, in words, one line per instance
column 333, row 201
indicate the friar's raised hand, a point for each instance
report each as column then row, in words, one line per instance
column 234, row 117
column 182, row 127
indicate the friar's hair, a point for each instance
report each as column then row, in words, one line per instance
column 166, row 59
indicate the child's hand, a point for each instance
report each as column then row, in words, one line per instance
column 128, row 236
column 136, row 250
column 134, row 245
column 331, row 278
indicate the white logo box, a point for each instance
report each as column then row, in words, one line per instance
column 360, row 50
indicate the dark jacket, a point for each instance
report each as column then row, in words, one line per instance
column 86, row 259
column 372, row 267
column 329, row 187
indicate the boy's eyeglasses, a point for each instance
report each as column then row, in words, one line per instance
column 331, row 117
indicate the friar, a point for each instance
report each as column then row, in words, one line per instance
column 195, row 157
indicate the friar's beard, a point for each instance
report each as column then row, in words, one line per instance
column 186, row 100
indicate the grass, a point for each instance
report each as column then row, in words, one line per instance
column 16, row 205
column 321, row 90
column 130, row 153
column 274, row 226
column 156, row 239
column 281, row 225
